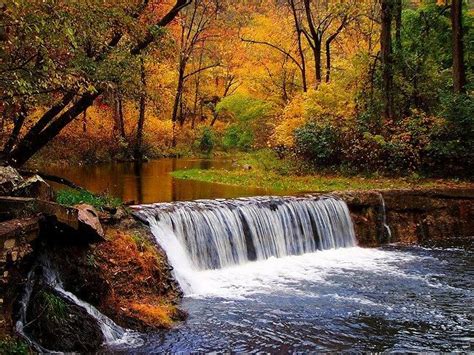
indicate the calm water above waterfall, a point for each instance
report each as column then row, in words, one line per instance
column 405, row 299
column 151, row 182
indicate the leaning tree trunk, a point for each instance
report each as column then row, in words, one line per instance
column 177, row 100
column 141, row 119
column 459, row 72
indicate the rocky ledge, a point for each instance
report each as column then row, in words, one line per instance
column 432, row 217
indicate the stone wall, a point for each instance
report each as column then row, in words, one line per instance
column 443, row 217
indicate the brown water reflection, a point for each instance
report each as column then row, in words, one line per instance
column 151, row 182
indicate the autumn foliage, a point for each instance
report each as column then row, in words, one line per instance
column 239, row 76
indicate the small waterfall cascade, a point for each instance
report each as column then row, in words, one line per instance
column 386, row 227
column 113, row 333
column 213, row 234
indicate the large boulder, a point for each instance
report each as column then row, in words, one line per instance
column 9, row 180
column 34, row 187
column 89, row 223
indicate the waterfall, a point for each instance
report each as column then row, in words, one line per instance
column 112, row 332
column 212, row 234
column 386, row 227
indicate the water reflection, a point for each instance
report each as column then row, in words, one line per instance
column 151, row 182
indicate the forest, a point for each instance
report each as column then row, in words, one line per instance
column 247, row 176
column 353, row 87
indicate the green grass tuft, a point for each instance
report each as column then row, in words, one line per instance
column 55, row 307
column 279, row 176
column 71, row 197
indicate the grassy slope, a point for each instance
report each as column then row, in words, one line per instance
column 271, row 173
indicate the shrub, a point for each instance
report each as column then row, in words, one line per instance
column 236, row 137
column 10, row 346
column 318, row 143
column 248, row 121
column 402, row 148
column 451, row 150
column 206, row 141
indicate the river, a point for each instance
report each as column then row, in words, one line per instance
column 151, row 182
column 392, row 298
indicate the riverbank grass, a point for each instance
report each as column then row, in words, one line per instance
column 264, row 170
column 70, row 197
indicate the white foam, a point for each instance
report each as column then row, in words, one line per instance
column 284, row 275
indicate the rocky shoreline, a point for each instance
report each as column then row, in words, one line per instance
column 104, row 257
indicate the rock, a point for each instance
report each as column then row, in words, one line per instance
column 247, row 167
column 11, row 231
column 66, row 224
column 9, row 180
column 58, row 324
column 120, row 214
column 34, row 187
column 89, row 222
column 9, row 244
column 14, row 256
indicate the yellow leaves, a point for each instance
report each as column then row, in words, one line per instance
column 292, row 118
column 155, row 314
column 331, row 102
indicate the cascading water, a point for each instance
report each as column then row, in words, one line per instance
column 386, row 227
column 113, row 333
column 212, row 234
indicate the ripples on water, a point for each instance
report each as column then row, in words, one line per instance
column 388, row 299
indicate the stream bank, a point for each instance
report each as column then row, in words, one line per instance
column 103, row 257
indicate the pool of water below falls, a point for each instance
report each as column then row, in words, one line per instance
column 386, row 299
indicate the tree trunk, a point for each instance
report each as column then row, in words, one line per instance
column 177, row 100
column 141, row 119
column 386, row 58
column 398, row 24
column 328, row 61
column 459, row 72
column 26, row 148
column 18, row 124
column 316, row 41
column 84, row 121
column 50, row 124
column 299, row 33
column 317, row 61
column 119, row 122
